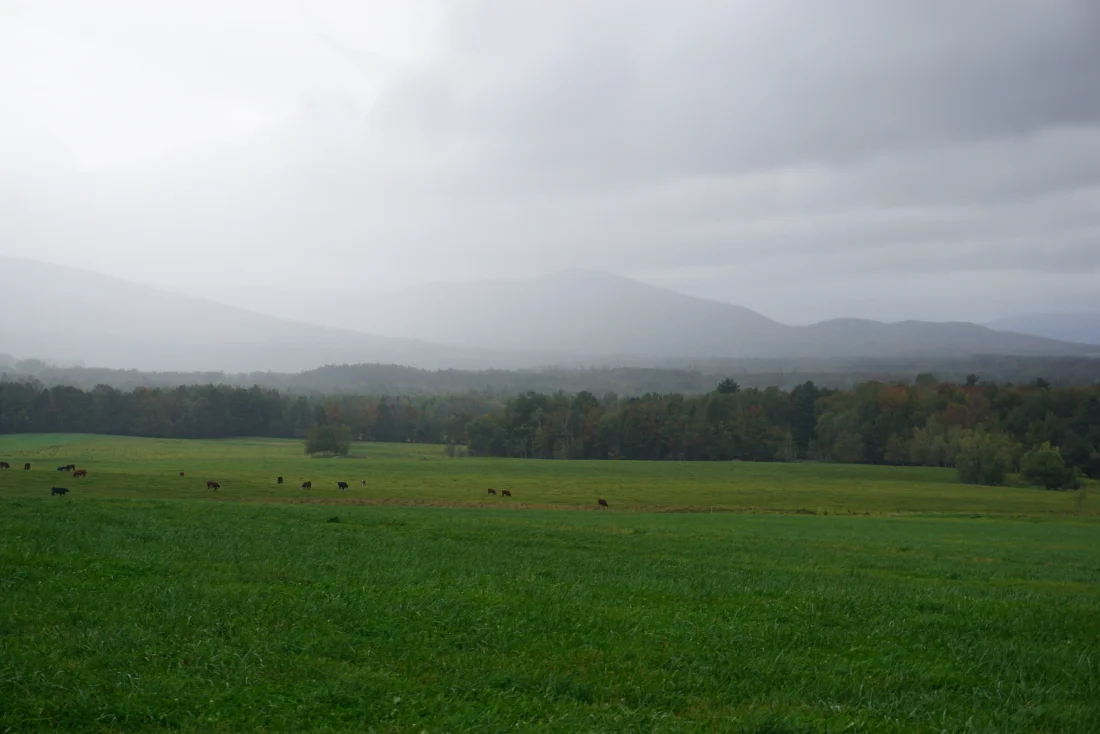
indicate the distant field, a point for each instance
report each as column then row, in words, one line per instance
column 403, row 474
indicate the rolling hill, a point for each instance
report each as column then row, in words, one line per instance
column 69, row 315
column 601, row 318
column 1079, row 326
column 570, row 318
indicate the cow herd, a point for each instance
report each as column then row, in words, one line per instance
column 342, row 486
column 213, row 485
column 60, row 491
column 67, row 468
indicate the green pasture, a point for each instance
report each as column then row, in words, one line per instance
column 141, row 601
column 408, row 473
column 153, row 615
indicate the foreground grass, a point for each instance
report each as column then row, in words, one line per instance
column 196, row 616
column 406, row 473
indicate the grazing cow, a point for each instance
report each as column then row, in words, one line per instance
column 492, row 491
column 58, row 490
column 5, row 465
column 364, row 482
column 70, row 467
column 213, row 485
column 279, row 480
column 80, row 473
column 27, row 467
column 181, row 474
column 505, row 493
column 602, row 502
column 307, row 485
column 343, row 486
column 63, row 468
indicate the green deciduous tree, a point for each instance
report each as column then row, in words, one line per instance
column 1045, row 467
column 329, row 438
column 984, row 458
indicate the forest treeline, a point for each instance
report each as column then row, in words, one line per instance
column 926, row 423
column 695, row 379
column 222, row 411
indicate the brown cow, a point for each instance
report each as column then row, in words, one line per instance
column 307, row 485
column 27, row 467
column 181, row 474
column 602, row 502
column 5, row 465
column 492, row 491
column 506, row 493
column 213, row 485
column 78, row 473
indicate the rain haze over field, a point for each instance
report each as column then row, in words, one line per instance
column 807, row 160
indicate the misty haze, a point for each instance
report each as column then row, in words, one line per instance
column 475, row 365
column 378, row 167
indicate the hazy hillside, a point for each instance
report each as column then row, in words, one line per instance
column 613, row 320
column 69, row 315
column 863, row 338
column 574, row 318
column 1077, row 327
column 388, row 379
column 575, row 313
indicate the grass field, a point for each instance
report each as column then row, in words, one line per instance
column 130, row 606
column 409, row 473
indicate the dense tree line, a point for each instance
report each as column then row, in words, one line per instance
column 984, row 430
column 927, row 423
column 223, row 411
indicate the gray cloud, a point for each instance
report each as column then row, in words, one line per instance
column 697, row 87
column 807, row 159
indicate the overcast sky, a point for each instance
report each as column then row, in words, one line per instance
column 808, row 159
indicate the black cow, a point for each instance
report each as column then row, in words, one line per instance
column 58, row 490
column 26, row 467
column 63, row 468
column 602, row 502
column 181, row 474
column 70, row 467
column 505, row 493
column 279, row 480
column 343, row 486
column 492, row 491
column 5, row 465
column 364, row 482
column 307, row 485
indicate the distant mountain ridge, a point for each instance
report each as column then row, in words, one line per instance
column 614, row 320
column 1079, row 326
column 571, row 318
column 65, row 314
